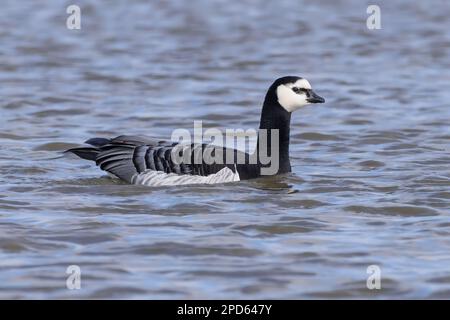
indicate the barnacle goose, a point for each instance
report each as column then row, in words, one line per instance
column 145, row 161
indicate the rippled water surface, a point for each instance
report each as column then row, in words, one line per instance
column 371, row 175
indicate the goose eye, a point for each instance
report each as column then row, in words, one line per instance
column 296, row 90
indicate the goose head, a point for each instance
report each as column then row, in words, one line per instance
column 292, row 93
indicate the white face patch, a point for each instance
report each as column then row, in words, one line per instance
column 290, row 100
column 301, row 83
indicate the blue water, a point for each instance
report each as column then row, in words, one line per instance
column 371, row 175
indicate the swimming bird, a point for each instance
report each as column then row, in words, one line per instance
column 145, row 161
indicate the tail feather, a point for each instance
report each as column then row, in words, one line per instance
column 86, row 153
column 98, row 142
column 90, row 153
column 116, row 159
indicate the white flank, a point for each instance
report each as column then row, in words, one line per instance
column 159, row 178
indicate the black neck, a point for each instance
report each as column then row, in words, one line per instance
column 274, row 116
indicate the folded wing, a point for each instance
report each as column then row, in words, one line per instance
column 137, row 158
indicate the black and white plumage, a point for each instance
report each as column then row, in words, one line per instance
column 145, row 161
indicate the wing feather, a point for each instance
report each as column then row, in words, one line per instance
column 128, row 156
